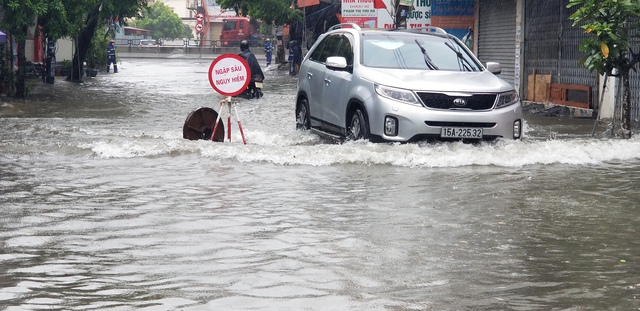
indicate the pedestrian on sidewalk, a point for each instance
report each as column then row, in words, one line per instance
column 292, row 66
column 297, row 55
column 268, row 50
column 111, row 56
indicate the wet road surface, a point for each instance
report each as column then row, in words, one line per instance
column 104, row 206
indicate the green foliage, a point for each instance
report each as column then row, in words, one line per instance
column 55, row 22
column 187, row 34
column 88, row 15
column 65, row 64
column 97, row 55
column 609, row 48
column 276, row 11
column 162, row 21
column 609, row 22
column 20, row 14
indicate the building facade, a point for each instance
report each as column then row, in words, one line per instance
column 533, row 40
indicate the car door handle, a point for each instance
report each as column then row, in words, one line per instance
column 309, row 75
column 327, row 81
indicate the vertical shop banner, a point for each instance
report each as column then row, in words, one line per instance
column 454, row 16
column 360, row 12
column 419, row 16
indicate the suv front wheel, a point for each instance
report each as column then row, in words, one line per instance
column 302, row 115
column 358, row 127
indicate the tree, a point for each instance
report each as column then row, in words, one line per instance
column 608, row 49
column 187, row 33
column 162, row 21
column 18, row 18
column 87, row 15
column 271, row 11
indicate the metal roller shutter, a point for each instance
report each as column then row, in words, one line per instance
column 497, row 35
column 551, row 45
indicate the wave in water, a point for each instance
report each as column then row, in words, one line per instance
column 303, row 148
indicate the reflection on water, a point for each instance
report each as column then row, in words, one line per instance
column 104, row 206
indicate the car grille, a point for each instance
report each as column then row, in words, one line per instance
column 443, row 101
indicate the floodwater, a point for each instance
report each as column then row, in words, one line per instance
column 104, row 206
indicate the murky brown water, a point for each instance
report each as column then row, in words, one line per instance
column 104, row 206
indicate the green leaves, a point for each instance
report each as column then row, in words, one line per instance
column 276, row 11
column 162, row 22
column 608, row 23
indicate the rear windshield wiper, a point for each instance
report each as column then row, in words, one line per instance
column 427, row 59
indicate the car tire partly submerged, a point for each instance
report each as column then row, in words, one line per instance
column 358, row 127
column 303, row 121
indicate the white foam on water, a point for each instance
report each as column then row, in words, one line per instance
column 305, row 148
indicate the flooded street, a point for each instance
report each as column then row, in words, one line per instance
column 106, row 207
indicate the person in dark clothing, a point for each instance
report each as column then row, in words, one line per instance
column 292, row 66
column 297, row 55
column 256, row 72
column 268, row 50
column 111, row 57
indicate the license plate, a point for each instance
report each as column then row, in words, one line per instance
column 461, row 132
column 259, row 84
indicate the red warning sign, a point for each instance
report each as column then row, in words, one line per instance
column 229, row 74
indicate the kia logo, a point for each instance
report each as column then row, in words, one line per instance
column 460, row 102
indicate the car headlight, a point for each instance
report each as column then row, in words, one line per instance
column 506, row 99
column 400, row 95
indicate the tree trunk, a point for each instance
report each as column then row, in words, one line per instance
column 626, row 104
column 83, row 45
column 21, row 90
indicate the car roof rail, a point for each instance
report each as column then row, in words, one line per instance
column 345, row 25
column 426, row 29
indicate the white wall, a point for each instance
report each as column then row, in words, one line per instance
column 609, row 97
column 65, row 49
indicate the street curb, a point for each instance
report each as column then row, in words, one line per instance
column 551, row 109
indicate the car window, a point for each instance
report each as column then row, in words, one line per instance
column 326, row 48
column 404, row 52
column 345, row 50
column 230, row 25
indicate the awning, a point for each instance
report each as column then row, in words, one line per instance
column 128, row 31
column 3, row 37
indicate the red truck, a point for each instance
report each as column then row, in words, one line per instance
column 236, row 29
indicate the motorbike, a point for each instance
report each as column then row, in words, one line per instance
column 254, row 89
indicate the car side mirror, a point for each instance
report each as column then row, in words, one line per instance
column 336, row 63
column 494, row 67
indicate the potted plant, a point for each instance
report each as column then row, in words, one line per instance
column 65, row 68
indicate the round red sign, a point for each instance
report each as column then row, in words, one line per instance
column 229, row 74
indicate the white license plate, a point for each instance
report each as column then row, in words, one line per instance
column 461, row 132
column 259, row 85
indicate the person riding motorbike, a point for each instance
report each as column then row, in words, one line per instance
column 257, row 76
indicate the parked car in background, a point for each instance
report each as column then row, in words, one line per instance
column 402, row 85
column 148, row 43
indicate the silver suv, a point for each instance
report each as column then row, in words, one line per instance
column 402, row 85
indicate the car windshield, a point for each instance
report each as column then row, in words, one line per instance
column 399, row 51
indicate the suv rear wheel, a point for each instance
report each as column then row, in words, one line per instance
column 358, row 127
column 302, row 115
